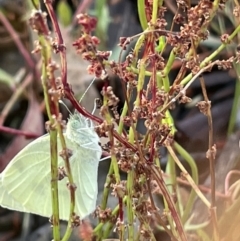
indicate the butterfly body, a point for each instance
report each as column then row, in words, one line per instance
column 25, row 182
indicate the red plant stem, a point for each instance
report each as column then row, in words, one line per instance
column 80, row 109
column 154, row 82
column 61, row 48
column 170, row 203
column 152, row 152
column 154, row 90
column 120, row 201
column 12, row 131
column 17, row 41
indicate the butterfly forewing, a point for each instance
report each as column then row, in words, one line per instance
column 27, row 178
column 8, row 201
column 25, row 184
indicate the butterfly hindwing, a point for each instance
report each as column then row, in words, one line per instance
column 26, row 178
column 7, row 201
column 85, row 175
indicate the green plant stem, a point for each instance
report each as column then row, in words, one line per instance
column 68, row 231
column 156, row 3
column 115, row 168
column 100, row 4
column 109, row 224
column 123, row 114
column 105, row 198
column 62, row 51
column 188, row 177
column 131, row 137
column 142, row 14
column 141, row 78
column 167, row 69
column 54, row 185
column 130, row 213
column 171, row 171
column 204, row 63
column 235, row 105
column 172, row 186
column 108, row 118
column 169, row 217
column 213, row 55
column 106, row 188
column 46, row 53
column 183, row 153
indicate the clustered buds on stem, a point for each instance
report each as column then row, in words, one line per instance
column 38, row 22
column 153, row 100
column 103, row 215
column 86, row 45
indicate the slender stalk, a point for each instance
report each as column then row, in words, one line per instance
column 235, row 106
column 17, row 132
column 171, row 170
column 60, row 46
column 54, row 185
column 156, row 4
column 130, row 212
column 142, row 14
column 109, row 224
column 170, row 203
column 15, row 37
column 188, row 177
column 166, row 71
column 211, row 153
column 194, row 171
column 208, row 59
column 203, row 64
column 46, row 53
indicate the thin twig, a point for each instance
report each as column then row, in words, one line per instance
column 19, row 90
column 17, row 132
column 188, row 177
column 170, row 203
column 17, row 41
column 60, row 46
column 228, row 177
column 9, row 105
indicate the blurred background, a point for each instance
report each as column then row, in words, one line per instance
column 22, row 105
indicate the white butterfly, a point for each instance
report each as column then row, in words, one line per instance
column 25, row 183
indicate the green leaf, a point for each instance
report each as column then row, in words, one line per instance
column 64, row 13
column 6, row 78
column 36, row 4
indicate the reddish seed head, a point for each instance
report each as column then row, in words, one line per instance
column 85, row 231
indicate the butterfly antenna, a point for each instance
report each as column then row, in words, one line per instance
column 61, row 102
column 94, row 107
column 85, row 92
column 105, row 158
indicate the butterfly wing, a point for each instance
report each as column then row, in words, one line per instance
column 86, row 158
column 26, row 178
column 8, row 201
column 25, row 183
column 85, row 173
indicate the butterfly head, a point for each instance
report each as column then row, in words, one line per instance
column 77, row 122
column 79, row 129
